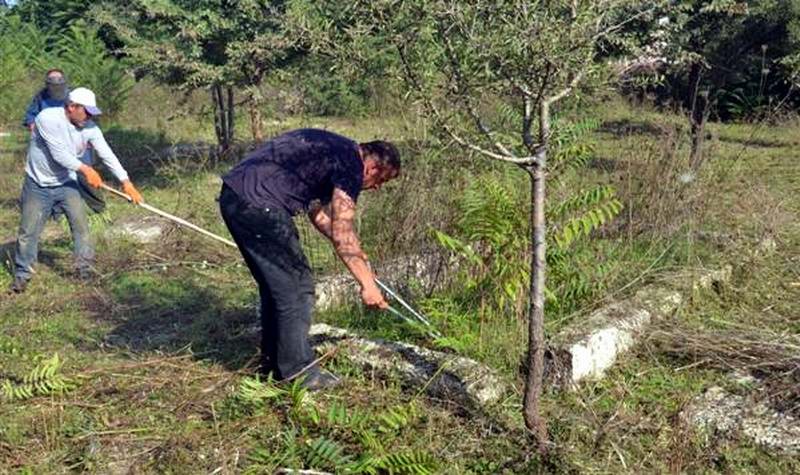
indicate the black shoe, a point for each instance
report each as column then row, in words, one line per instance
column 319, row 380
column 19, row 285
column 268, row 371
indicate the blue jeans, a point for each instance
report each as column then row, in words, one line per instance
column 38, row 203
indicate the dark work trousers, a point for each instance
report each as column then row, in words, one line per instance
column 269, row 243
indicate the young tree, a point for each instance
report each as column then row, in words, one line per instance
column 463, row 61
column 212, row 44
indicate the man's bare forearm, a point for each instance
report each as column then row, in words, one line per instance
column 321, row 220
column 348, row 248
column 346, row 242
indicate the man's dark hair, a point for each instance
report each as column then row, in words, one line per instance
column 55, row 70
column 382, row 152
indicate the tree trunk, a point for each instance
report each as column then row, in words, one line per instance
column 223, row 116
column 698, row 114
column 535, row 364
column 219, row 126
column 229, row 122
column 256, row 124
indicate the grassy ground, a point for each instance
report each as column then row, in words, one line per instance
column 159, row 351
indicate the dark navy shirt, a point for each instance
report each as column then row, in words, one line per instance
column 40, row 101
column 297, row 168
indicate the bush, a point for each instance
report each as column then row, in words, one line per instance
column 18, row 60
column 12, row 72
column 26, row 52
column 88, row 64
column 328, row 92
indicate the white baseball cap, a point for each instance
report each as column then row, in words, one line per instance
column 85, row 97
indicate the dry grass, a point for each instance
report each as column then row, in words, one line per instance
column 771, row 357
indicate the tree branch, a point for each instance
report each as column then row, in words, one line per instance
column 527, row 122
column 572, row 84
column 411, row 77
column 610, row 29
column 544, row 107
column 470, row 107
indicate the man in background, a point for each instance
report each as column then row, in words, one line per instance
column 54, row 94
column 60, row 137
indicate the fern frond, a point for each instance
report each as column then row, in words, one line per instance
column 367, row 464
column 456, row 246
column 43, row 380
column 338, row 415
column 299, row 397
column 263, row 460
column 396, row 418
column 326, row 453
column 410, row 463
column 582, row 199
column 370, row 441
column 255, row 392
column 572, row 148
column 602, row 206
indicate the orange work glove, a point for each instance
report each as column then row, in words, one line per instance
column 131, row 191
column 92, row 177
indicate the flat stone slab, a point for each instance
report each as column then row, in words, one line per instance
column 726, row 415
column 441, row 375
column 586, row 349
column 144, row 230
column 424, row 270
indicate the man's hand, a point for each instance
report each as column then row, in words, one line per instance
column 373, row 298
column 131, row 191
column 92, row 177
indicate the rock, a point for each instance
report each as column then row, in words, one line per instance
column 712, row 279
column 727, row 415
column 144, row 230
column 766, row 246
column 586, row 349
column 425, row 270
column 440, row 375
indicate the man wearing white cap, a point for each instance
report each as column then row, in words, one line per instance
column 61, row 136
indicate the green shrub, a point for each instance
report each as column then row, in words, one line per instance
column 19, row 43
column 329, row 92
column 88, row 64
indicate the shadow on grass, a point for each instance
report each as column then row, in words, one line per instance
column 7, row 256
column 166, row 314
column 45, row 257
column 624, row 127
column 755, row 142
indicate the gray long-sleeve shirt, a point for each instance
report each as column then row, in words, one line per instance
column 56, row 145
